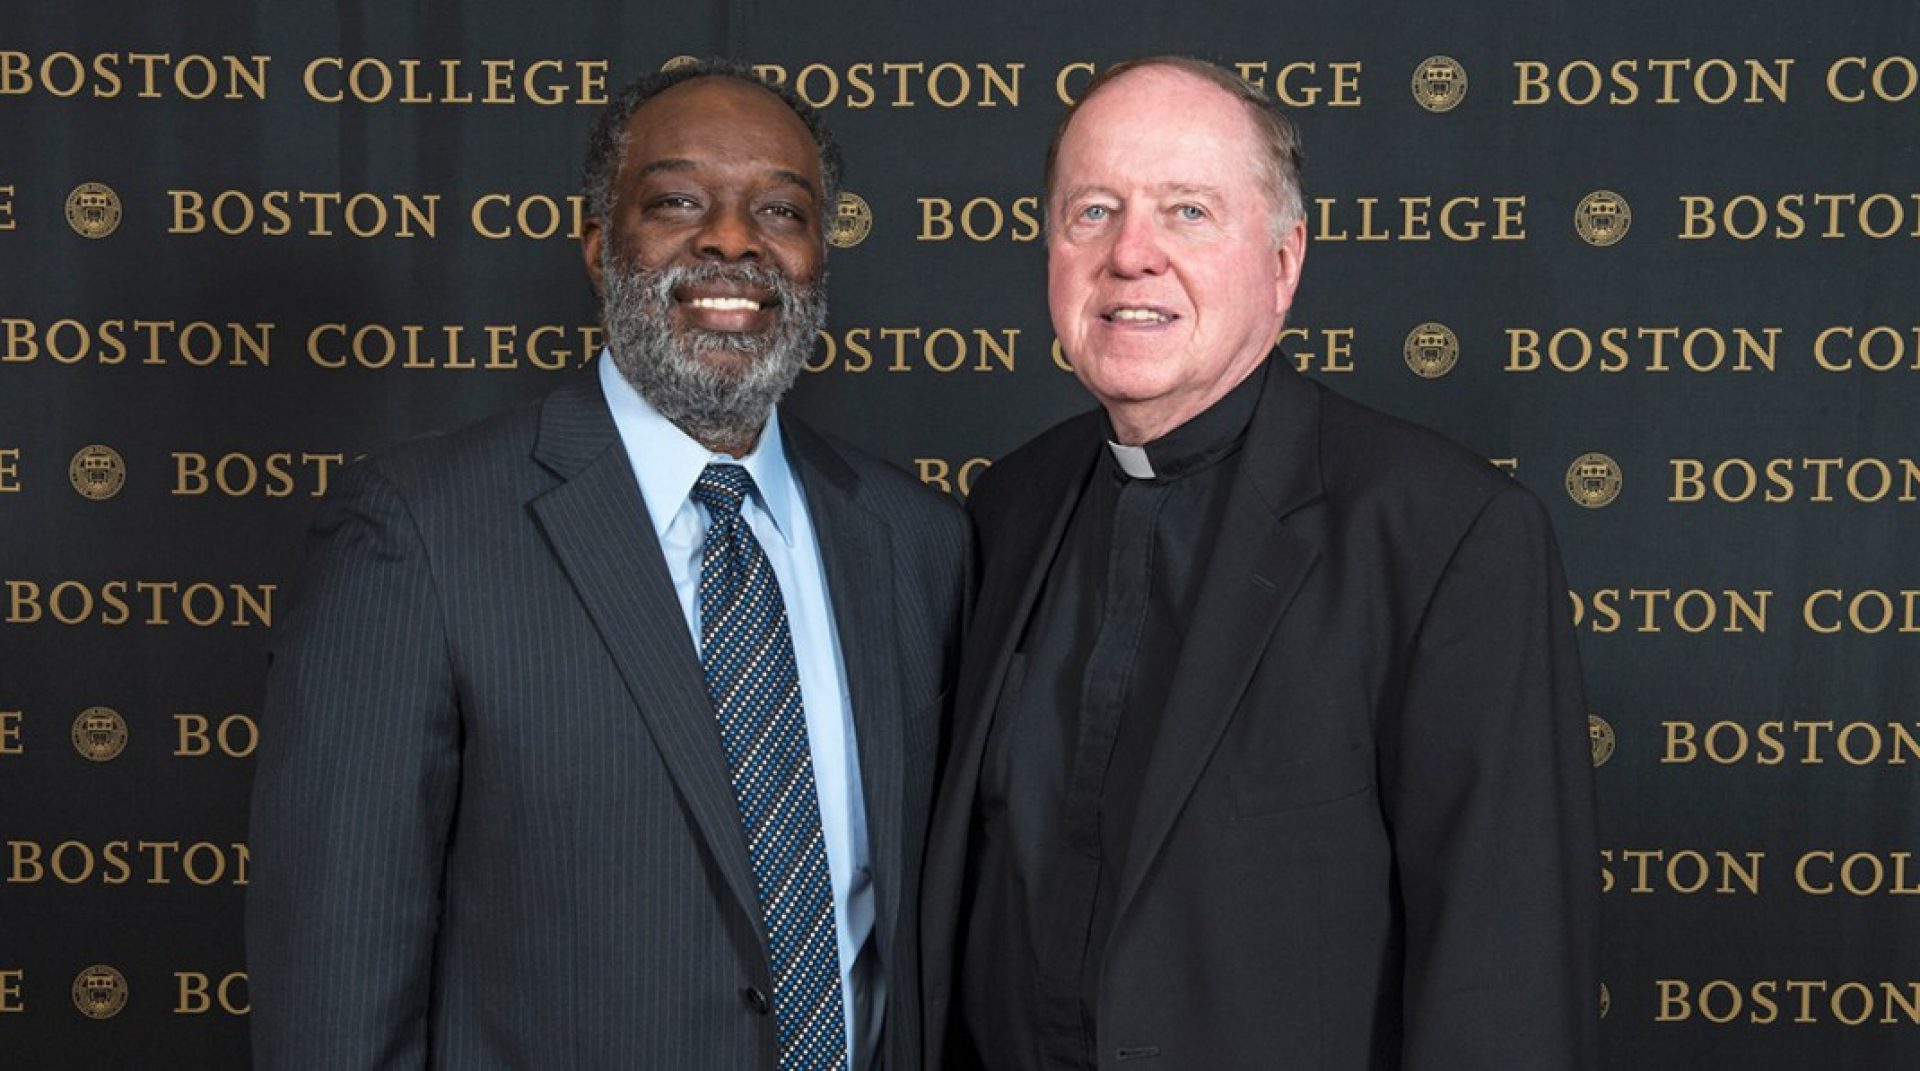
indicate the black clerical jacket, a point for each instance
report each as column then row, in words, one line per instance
column 1366, row 838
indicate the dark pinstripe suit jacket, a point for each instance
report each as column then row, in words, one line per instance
column 492, row 825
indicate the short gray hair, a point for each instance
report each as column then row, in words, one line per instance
column 607, row 141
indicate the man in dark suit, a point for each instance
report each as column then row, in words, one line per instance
column 604, row 733
column 1270, row 747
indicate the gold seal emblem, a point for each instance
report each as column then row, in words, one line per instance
column 1439, row 83
column 1600, row 735
column 100, row 992
column 97, row 472
column 1606, row 1000
column 1602, row 218
column 93, row 210
column 852, row 221
column 1431, row 350
column 678, row 62
column 100, row 734
column 1594, row 480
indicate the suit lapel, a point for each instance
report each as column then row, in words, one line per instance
column 1010, row 588
column 597, row 525
column 856, row 546
column 1015, row 573
column 1258, row 565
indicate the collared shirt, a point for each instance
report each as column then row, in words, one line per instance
column 1073, row 733
column 667, row 463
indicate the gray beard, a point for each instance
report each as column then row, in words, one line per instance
column 716, row 407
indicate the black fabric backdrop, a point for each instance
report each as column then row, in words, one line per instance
column 1745, row 358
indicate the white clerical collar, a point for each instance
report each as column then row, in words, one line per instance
column 1133, row 460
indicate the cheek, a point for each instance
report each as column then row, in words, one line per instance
column 643, row 247
column 1067, row 289
column 800, row 261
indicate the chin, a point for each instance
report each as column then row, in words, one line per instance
column 1119, row 386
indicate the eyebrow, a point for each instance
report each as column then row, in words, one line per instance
column 1176, row 189
column 676, row 163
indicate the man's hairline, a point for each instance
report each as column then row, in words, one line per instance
column 1281, row 214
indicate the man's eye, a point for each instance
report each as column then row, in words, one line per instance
column 785, row 211
column 1095, row 213
column 1191, row 212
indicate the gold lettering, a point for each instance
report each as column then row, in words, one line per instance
column 198, row 993
column 1409, row 219
column 939, row 474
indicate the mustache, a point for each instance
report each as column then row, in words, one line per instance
column 657, row 285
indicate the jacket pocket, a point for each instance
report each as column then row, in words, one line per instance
column 1300, row 783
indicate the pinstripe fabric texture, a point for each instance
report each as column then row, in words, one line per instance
column 746, row 651
column 493, row 825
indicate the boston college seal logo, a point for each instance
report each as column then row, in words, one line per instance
column 1594, row 480
column 1439, row 83
column 1602, row 218
column 93, row 210
column 1431, row 350
column 852, row 221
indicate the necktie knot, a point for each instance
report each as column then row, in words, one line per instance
column 722, row 489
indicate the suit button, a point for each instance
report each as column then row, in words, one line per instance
column 756, row 1000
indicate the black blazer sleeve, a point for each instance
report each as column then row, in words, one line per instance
column 354, row 790
column 1490, row 803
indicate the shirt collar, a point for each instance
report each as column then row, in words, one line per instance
column 1204, row 439
column 667, row 461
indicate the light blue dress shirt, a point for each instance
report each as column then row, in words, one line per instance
column 667, row 463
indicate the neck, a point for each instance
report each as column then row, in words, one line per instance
column 1139, row 423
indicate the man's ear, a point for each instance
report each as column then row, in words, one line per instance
column 1292, row 253
column 590, row 238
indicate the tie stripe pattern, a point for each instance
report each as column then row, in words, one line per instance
column 746, row 650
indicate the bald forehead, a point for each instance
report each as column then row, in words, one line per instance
column 1157, row 79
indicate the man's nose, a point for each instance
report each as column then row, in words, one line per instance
column 729, row 233
column 1138, row 247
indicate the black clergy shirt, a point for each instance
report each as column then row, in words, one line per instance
column 1073, row 728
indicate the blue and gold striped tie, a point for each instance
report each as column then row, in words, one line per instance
column 747, row 652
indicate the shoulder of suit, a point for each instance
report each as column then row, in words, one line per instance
column 1363, row 450
column 885, row 488
column 1038, row 469
column 482, row 455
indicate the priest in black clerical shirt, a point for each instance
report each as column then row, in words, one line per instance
column 1270, row 748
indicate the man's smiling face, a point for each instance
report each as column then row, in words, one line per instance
column 1165, row 278
column 712, row 263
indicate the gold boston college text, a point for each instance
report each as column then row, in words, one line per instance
column 1792, row 1000
column 306, row 213
column 453, row 347
column 368, row 80
column 141, row 75
column 140, row 602
column 1781, row 742
column 1779, row 480
column 1648, row 349
column 1692, row 610
column 1785, row 217
column 120, row 862
column 200, row 343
